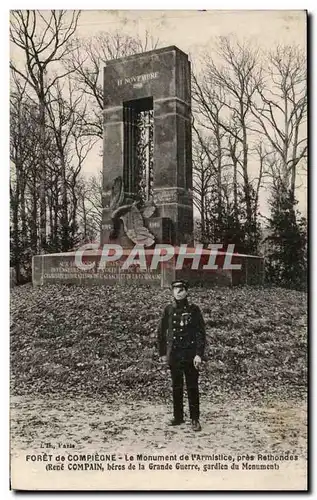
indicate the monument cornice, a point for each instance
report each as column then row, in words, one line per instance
column 143, row 55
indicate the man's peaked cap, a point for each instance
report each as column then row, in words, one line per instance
column 180, row 283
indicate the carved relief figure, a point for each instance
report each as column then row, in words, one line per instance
column 129, row 210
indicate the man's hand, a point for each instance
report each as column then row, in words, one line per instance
column 197, row 361
column 163, row 359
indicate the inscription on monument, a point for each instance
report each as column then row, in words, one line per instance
column 138, row 78
column 68, row 271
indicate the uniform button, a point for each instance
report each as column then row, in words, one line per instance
column 174, row 337
column 174, row 329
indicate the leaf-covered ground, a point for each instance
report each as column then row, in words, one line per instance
column 78, row 341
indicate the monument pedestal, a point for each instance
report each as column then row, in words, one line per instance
column 89, row 268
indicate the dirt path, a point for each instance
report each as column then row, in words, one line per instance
column 230, row 426
column 87, row 426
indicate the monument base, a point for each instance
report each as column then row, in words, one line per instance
column 90, row 268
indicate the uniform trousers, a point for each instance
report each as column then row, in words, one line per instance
column 180, row 367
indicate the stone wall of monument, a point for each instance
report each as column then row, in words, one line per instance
column 162, row 75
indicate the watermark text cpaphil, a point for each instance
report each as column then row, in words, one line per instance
column 195, row 258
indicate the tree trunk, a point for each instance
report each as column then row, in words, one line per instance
column 33, row 221
column 65, row 224
column 24, row 231
column 202, row 208
column 219, row 188
column 15, row 198
column 42, row 177
column 84, row 217
column 235, row 191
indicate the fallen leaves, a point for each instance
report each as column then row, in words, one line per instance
column 101, row 340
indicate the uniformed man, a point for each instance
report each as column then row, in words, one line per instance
column 181, row 343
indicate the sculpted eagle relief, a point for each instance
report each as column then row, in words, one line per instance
column 131, row 212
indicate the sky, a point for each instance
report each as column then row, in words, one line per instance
column 192, row 30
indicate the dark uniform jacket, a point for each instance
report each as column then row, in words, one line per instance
column 181, row 332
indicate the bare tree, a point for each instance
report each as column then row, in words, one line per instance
column 25, row 155
column 202, row 178
column 90, row 206
column 66, row 109
column 21, row 152
column 281, row 112
column 87, row 60
column 234, row 155
column 223, row 96
column 43, row 39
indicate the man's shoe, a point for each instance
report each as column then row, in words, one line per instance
column 176, row 421
column 196, row 425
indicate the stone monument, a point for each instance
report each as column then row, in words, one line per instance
column 147, row 182
column 147, row 143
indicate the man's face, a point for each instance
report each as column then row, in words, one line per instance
column 179, row 292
